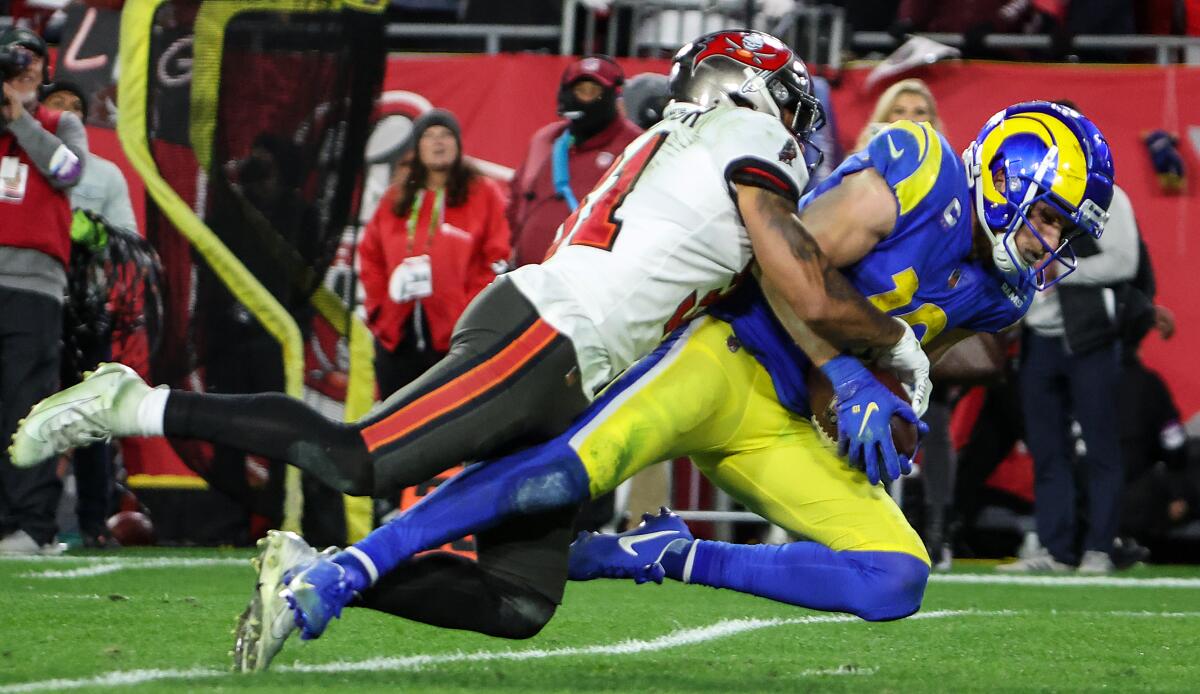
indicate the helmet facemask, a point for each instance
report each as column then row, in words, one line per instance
column 790, row 92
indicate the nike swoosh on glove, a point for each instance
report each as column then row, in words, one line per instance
column 865, row 409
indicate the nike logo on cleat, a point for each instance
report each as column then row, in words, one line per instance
column 627, row 543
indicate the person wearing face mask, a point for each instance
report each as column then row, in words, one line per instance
column 42, row 154
column 567, row 157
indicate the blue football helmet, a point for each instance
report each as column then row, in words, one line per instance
column 1049, row 153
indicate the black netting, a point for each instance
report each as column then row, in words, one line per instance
column 293, row 93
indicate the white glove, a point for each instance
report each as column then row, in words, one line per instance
column 908, row 361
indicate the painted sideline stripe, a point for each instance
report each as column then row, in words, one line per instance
column 101, row 569
column 1063, row 581
column 675, row 639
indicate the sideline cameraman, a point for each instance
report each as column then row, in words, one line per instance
column 41, row 157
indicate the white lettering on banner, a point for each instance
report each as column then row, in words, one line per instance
column 71, row 59
column 174, row 68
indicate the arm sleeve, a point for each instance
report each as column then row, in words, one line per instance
column 754, row 149
column 118, row 209
column 372, row 264
column 1145, row 280
column 59, row 156
column 1117, row 260
column 491, row 257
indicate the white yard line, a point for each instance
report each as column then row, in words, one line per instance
column 682, row 637
column 120, row 678
column 675, row 639
column 108, row 567
column 1066, row 581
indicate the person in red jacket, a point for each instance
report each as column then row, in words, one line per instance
column 438, row 238
column 567, row 157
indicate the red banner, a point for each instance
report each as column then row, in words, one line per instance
column 502, row 99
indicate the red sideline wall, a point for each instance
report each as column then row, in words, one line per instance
column 501, row 100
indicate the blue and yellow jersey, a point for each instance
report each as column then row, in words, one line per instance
column 919, row 273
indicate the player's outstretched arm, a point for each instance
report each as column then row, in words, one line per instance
column 807, row 280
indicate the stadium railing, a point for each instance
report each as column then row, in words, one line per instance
column 492, row 34
column 819, row 33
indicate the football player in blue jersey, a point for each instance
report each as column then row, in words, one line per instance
column 949, row 251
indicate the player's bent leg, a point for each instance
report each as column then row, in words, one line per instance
column 633, row 424
column 683, row 397
column 510, row 592
column 453, row 592
column 538, row 480
column 876, row 586
column 508, row 379
column 866, row 559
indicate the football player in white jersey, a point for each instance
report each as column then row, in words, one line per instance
column 678, row 217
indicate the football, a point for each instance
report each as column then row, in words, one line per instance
column 131, row 528
column 820, row 400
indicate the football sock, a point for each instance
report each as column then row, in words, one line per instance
column 275, row 426
column 675, row 559
column 150, row 412
column 360, row 570
column 873, row 585
column 539, row 479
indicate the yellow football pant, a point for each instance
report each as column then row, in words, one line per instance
column 702, row 395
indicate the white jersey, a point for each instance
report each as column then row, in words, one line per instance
column 660, row 236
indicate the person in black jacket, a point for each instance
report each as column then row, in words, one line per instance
column 1071, row 369
column 1159, row 492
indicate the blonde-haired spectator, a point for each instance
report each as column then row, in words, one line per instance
column 908, row 99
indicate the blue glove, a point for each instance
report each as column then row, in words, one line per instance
column 864, row 420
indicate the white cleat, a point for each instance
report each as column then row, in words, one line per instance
column 103, row 405
column 1038, row 563
column 268, row 620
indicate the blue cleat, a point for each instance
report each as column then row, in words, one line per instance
column 317, row 591
column 632, row 554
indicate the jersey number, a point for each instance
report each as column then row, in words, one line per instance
column 930, row 316
column 594, row 223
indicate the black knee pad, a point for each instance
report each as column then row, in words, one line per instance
column 522, row 615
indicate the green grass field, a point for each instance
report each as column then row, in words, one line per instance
column 162, row 620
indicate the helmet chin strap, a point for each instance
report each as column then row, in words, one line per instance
column 1005, row 262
